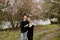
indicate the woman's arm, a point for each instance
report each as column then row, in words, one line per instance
column 31, row 24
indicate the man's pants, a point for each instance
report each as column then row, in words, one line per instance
column 24, row 36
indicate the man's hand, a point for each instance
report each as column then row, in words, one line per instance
column 26, row 25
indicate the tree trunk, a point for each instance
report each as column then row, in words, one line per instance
column 12, row 24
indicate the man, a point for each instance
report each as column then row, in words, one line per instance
column 30, row 29
column 24, row 28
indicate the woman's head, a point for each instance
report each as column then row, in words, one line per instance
column 29, row 19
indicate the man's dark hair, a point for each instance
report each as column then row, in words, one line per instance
column 23, row 16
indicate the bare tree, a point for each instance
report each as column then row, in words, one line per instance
column 14, row 11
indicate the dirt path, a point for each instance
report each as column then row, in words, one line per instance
column 50, row 35
column 46, row 37
column 46, row 31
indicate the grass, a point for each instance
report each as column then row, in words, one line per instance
column 57, row 37
column 39, row 36
column 9, row 35
column 45, row 27
column 15, row 34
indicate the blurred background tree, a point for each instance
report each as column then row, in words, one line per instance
column 13, row 10
column 54, row 9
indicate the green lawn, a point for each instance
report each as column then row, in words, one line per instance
column 45, row 27
column 9, row 35
column 57, row 37
column 15, row 34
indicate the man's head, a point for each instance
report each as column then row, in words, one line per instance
column 25, row 18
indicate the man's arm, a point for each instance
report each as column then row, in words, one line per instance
column 21, row 24
column 26, row 25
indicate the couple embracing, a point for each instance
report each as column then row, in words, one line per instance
column 27, row 28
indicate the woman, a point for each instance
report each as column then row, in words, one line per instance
column 30, row 29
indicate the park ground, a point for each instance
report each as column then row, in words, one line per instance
column 47, row 32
